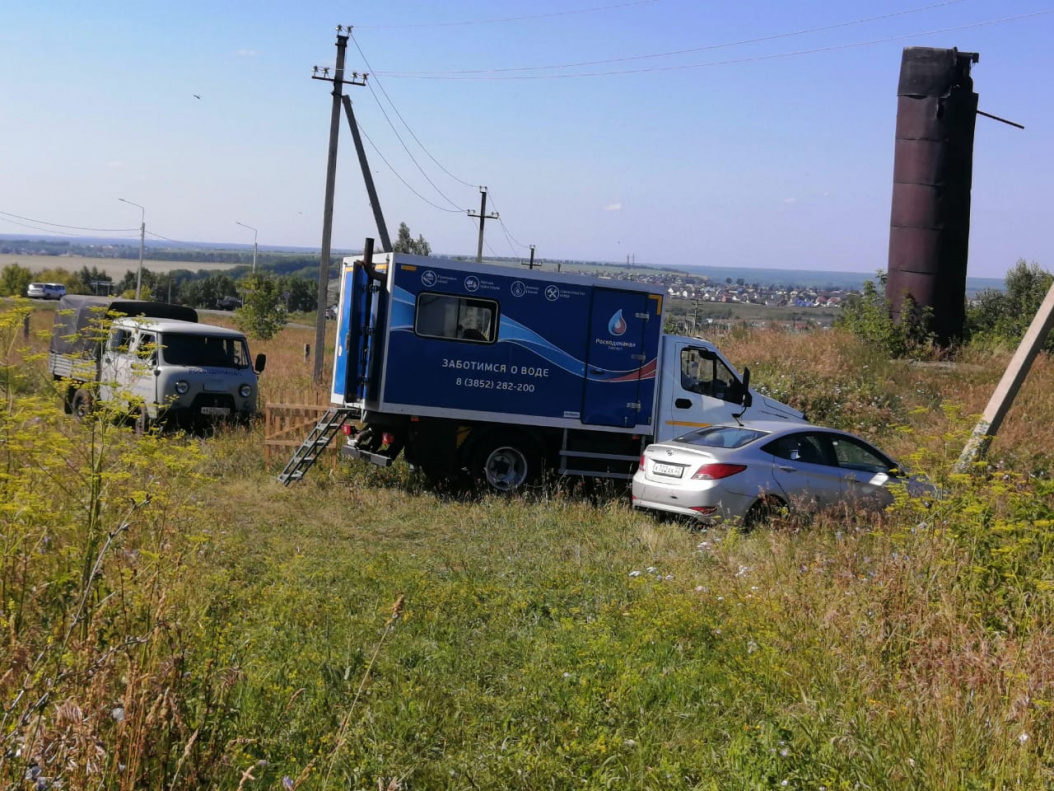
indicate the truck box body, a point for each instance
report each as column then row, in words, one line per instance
column 504, row 373
column 462, row 340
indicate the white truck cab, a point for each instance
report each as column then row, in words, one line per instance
column 699, row 387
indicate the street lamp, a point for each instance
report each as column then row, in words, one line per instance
column 142, row 244
column 243, row 225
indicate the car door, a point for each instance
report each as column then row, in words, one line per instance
column 866, row 472
column 806, row 469
column 142, row 384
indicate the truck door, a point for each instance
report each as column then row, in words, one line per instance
column 618, row 382
column 700, row 389
column 115, row 372
column 354, row 337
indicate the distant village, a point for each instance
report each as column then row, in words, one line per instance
column 679, row 285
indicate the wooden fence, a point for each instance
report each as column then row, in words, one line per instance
column 287, row 426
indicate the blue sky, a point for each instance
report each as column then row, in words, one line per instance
column 742, row 155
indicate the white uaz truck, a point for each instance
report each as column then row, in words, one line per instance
column 153, row 360
column 502, row 372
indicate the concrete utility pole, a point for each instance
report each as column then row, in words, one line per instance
column 1005, row 393
column 483, row 217
column 243, row 225
column 142, row 245
column 331, row 177
column 367, row 176
column 531, row 264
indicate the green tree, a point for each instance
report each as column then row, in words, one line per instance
column 407, row 244
column 13, row 280
column 262, row 313
column 1005, row 315
column 869, row 317
column 299, row 294
column 207, row 292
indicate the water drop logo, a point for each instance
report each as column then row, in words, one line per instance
column 617, row 325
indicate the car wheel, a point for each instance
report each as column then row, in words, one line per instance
column 761, row 512
column 82, row 403
column 505, row 463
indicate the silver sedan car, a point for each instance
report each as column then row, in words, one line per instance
column 744, row 473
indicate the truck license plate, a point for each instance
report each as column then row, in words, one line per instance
column 670, row 470
column 219, row 411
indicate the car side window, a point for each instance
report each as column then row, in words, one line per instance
column 855, row 455
column 146, row 347
column 806, row 447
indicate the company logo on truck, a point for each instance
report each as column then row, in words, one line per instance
column 617, row 326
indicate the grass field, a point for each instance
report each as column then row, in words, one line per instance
column 175, row 618
column 114, row 267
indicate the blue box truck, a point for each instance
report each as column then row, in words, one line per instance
column 503, row 373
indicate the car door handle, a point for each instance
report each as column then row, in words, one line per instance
column 787, row 468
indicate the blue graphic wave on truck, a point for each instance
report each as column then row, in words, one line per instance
column 512, row 331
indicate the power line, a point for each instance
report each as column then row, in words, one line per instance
column 404, row 181
column 400, row 115
column 733, row 62
column 508, row 234
column 507, row 19
column 73, row 227
column 407, row 150
column 708, row 47
column 51, row 231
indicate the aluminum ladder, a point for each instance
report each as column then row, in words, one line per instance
column 317, row 441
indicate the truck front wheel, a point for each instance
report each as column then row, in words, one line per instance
column 505, row 464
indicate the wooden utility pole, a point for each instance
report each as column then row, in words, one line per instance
column 367, row 176
column 1014, row 376
column 531, row 264
column 483, row 217
column 331, row 177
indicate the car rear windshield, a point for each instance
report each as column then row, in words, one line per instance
column 204, row 350
column 721, row 437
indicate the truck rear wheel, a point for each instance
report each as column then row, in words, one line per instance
column 505, row 463
column 82, row 403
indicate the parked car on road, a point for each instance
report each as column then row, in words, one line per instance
column 45, row 291
column 745, row 472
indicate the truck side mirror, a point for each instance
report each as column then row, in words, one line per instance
column 748, row 399
column 261, row 362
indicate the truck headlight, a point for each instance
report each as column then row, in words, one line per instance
column 182, row 387
column 245, row 391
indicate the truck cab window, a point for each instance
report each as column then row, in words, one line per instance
column 704, row 373
column 456, row 318
column 118, row 340
column 146, row 347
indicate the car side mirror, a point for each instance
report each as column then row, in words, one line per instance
column 261, row 363
column 747, row 398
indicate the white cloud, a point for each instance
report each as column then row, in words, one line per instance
column 247, row 53
column 789, row 201
column 115, row 165
column 613, row 207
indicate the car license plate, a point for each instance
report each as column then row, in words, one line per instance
column 670, row 470
column 219, row 411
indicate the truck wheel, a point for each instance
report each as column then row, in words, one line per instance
column 505, row 464
column 82, row 403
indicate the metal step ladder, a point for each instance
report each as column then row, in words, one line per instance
column 317, row 441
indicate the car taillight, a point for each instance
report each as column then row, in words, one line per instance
column 714, row 472
column 641, row 461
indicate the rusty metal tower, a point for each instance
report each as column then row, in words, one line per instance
column 929, row 231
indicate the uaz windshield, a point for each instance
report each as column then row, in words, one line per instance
column 204, row 350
